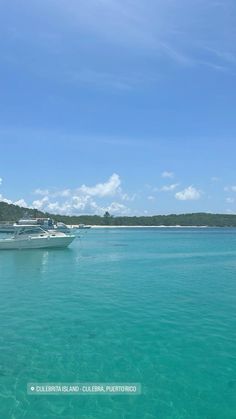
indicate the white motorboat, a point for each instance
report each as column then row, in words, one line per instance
column 35, row 237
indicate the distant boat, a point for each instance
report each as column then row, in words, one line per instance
column 80, row 226
column 35, row 237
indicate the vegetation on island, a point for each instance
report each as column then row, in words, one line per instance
column 10, row 212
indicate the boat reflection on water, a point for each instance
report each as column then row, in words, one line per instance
column 31, row 266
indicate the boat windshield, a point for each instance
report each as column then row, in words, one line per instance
column 30, row 230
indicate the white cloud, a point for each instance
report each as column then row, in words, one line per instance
column 151, row 198
column 215, row 179
column 7, row 201
column 60, row 208
column 0, row 180
column 126, row 197
column 81, row 200
column 109, row 188
column 63, row 193
column 41, row 191
column 21, row 203
column 86, row 204
column 230, row 200
column 40, row 203
column 230, row 188
column 57, row 193
column 167, row 174
column 188, row 194
column 115, row 208
column 168, row 188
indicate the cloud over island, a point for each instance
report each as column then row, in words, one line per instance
column 85, row 198
column 188, row 194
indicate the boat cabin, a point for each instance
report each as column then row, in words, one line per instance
column 29, row 230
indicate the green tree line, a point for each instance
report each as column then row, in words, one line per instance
column 10, row 212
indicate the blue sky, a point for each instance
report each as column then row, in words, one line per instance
column 119, row 105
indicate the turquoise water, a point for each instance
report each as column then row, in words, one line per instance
column 153, row 306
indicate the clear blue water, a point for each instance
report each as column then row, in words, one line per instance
column 155, row 306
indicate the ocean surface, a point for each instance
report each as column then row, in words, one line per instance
column 150, row 306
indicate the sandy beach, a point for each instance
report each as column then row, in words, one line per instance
column 162, row 226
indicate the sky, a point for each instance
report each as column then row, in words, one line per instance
column 126, row 106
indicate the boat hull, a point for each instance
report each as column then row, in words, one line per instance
column 36, row 243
